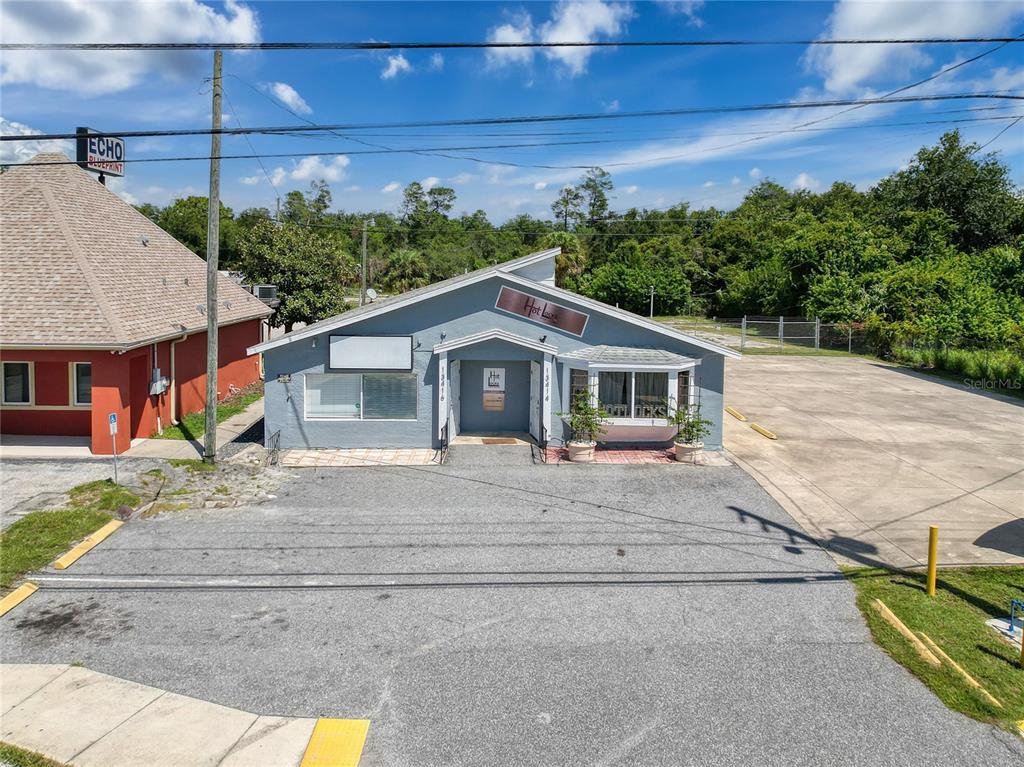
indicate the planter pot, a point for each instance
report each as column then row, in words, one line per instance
column 688, row 452
column 582, row 452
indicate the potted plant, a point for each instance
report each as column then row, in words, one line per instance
column 586, row 422
column 690, row 430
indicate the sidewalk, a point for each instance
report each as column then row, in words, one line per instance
column 72, row 448
column 89, row 719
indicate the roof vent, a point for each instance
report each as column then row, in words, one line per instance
column 143, row 240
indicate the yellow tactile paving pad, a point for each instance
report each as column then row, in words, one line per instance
column 336, row 743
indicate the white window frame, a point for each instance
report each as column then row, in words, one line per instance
column 75, row 402
column 31, row 384
column 673, row 384
column 360, row 419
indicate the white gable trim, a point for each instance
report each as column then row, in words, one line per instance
column 342, row 320
column 495, row 333
column 534, row 258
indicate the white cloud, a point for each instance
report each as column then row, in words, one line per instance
column 631, row 189
column 436, row 62
column 805, row 182
column 313, row 167
column 23, row 151
column 582, row 20
column 117, row 185
column 848, row 67
column 390, row 187
column 735, row 180
column 518, row 29
column 353, row 188
column 687, row 8
column 462, row 178
column 91, row 73
column 540, row 185
column 251, row 180
column 571, row 21
column 708, row 184
column 289, row 97
column 279, row 175
column 611, row 106
column 396, row 66
column 430, row 182
column 755, row 173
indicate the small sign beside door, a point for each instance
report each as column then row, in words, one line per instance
column 494, row 379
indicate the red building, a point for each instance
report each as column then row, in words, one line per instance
column 104, row 312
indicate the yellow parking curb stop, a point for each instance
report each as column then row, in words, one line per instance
column 16, row 597
column 336, row 743
column 761, row 430
column 68, row 559
column 735, row 414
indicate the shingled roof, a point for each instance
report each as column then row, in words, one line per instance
column 80, row 267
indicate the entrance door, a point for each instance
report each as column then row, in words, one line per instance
column 494, row 396
column 535, row 400
column 455, row 389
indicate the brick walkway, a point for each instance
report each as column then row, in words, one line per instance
column 664, row 455
column 330, row 457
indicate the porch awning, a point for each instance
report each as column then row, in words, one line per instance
column 630, row 356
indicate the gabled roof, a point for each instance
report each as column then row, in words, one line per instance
column 503, row 271
column 495, row 334
column 82, row 268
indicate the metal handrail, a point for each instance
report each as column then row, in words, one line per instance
column 443, row 454
column 274, row 448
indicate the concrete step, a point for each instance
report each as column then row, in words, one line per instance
column 490, row 455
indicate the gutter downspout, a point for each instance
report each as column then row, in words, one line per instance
column 174, row 382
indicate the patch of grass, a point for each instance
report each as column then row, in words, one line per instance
column 955, row 620
column 193, row 425
column 38, row 538
column 158, row 473
column 222, row 490
column 162, row 507
column 19, row 757
column 194, row 465
column 180, row 491
column 102, row 494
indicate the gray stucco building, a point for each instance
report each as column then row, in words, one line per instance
column 501, row 349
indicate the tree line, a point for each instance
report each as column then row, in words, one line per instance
column 931, row 252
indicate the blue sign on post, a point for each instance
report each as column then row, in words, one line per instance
column 112, row 420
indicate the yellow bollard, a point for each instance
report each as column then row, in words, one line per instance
column 933, row 552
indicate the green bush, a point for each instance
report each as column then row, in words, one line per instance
column 999, row 369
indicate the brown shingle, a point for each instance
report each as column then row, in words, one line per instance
column 75, row 271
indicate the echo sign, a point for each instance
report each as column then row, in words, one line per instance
column 104, row 154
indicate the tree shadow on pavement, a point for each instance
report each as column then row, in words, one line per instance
column 1007, row 537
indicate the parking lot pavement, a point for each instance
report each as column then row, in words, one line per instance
column 869, row 455
column 528, row 615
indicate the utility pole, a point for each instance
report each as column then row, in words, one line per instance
column 212, row 255
column 362, row 279
column 652, row 302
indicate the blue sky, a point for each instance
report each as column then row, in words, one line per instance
column 655, row 162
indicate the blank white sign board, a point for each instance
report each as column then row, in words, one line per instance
column 371, row 352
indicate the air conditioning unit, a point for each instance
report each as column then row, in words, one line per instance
column 265, row 292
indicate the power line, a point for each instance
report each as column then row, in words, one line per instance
column 253, row 155
column 415, row 45
column 524, row 119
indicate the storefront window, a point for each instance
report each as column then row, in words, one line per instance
column 389, row 395
column 16, row 383
column 366, row 396
column 83, row 383
column 615, row 393
column 651, row 395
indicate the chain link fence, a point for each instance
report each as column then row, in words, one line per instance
column 760, row 334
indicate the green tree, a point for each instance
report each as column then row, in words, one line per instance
column 595, row 187
column 440, row 199
column 310, row 270
column 568, row 207
column 186, row 220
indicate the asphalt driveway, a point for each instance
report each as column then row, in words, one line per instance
column 870, row 455
column 563, row 615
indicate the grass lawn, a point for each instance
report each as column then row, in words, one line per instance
column 38, row 538
column 955, row 620
column 193, row 425
column 959, row 378
column 19, row 757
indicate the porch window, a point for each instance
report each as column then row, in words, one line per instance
column 615, row 393
column 361, row 396
column 579, row 381
column 651, row 395
column 683, row 390
column 17, row 383
column 83, row 383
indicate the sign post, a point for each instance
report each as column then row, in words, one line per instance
column 112, row 419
